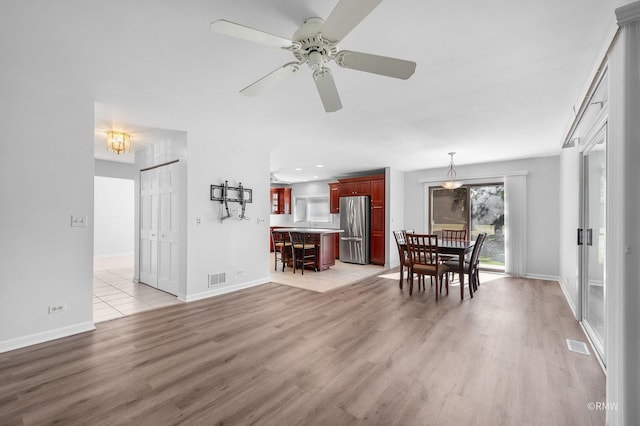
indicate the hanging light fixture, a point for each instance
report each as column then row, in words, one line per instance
column 451, row 183
column 118, row 142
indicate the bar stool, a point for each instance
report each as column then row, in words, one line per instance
column 303, row 253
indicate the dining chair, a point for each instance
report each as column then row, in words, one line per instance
column 470, row 267
column 401, row 242
column 424, row 260
column 303, row 253
column 452, row 235
column 281, row 248
column 483, row 238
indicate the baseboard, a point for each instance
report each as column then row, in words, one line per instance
column 45, row 336
column 223, row 290
column 542, row 277
column 563, row 287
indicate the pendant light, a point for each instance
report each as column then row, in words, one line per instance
column 451, row 183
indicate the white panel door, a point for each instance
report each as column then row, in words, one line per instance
column 168, row 235
column 159, row 232
column 149, row 227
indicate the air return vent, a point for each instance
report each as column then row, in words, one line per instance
column 217, row 279
column 576, row 346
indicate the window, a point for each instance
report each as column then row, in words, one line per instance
column 477, row 208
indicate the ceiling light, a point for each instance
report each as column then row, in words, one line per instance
column 451, row 183
column 118, row 142
column 319, row 165
column 298, row 169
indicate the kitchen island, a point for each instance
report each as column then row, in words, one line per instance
column 323, row 239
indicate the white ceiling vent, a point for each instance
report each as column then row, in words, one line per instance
column 579, row 347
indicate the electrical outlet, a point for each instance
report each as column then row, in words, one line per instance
column 79, row 221
column 56, row 309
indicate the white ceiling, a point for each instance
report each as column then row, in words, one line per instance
column 495, row 79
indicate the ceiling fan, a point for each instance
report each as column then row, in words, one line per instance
column 315, row 43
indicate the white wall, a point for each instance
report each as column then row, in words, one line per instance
column 46, row 170
column 542, row 215
column 569, row 223
column 395, row 212
column 115, row 169
column 233, row 245
column 113, row 217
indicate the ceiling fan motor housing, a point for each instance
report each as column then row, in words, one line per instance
column 313, row 48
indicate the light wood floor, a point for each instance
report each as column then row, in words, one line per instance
column 276, row 355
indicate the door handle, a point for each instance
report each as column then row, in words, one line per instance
column 580, row 236
column 589, row 237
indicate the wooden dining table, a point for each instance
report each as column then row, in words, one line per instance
column 457, row 248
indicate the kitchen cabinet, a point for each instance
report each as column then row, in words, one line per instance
column 323, row 239
column 374, row 187
column 280, row 200
column 377, row 221
column 358, row 187
column 334, row 198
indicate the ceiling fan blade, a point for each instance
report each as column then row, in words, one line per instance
column 345, row 16
column 383, row 65
column 271, row 79
column 327, row 89
column 232, row 29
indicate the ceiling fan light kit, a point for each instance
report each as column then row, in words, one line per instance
column 316, row 44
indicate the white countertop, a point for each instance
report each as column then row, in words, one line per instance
column 310, row 230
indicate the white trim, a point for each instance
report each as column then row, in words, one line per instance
column 593, row 348
column 45, row 336
column 223, row 290
column 628, row 13
column 563, row 287
column 477, row 178
column 542, row 277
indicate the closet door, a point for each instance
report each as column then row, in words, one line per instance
column 159, row 232
column 149, row 227
column 168, row 236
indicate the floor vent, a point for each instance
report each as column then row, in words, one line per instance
column 217, row 279
column 579, row 347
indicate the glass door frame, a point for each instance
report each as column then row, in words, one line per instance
column 468, row 211
column 585, row 234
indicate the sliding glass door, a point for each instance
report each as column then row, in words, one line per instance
column 477, row 208
column 592, row 236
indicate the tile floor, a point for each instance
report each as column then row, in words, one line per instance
column 339, row 275
column 116, row 295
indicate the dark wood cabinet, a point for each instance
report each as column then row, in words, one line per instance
column 350, row 187
column 334, row 198
column 280, row 200
column 374, row 187
column 377, row 221
column 325, row 248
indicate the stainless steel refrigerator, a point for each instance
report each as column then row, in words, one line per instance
column 354, row 221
